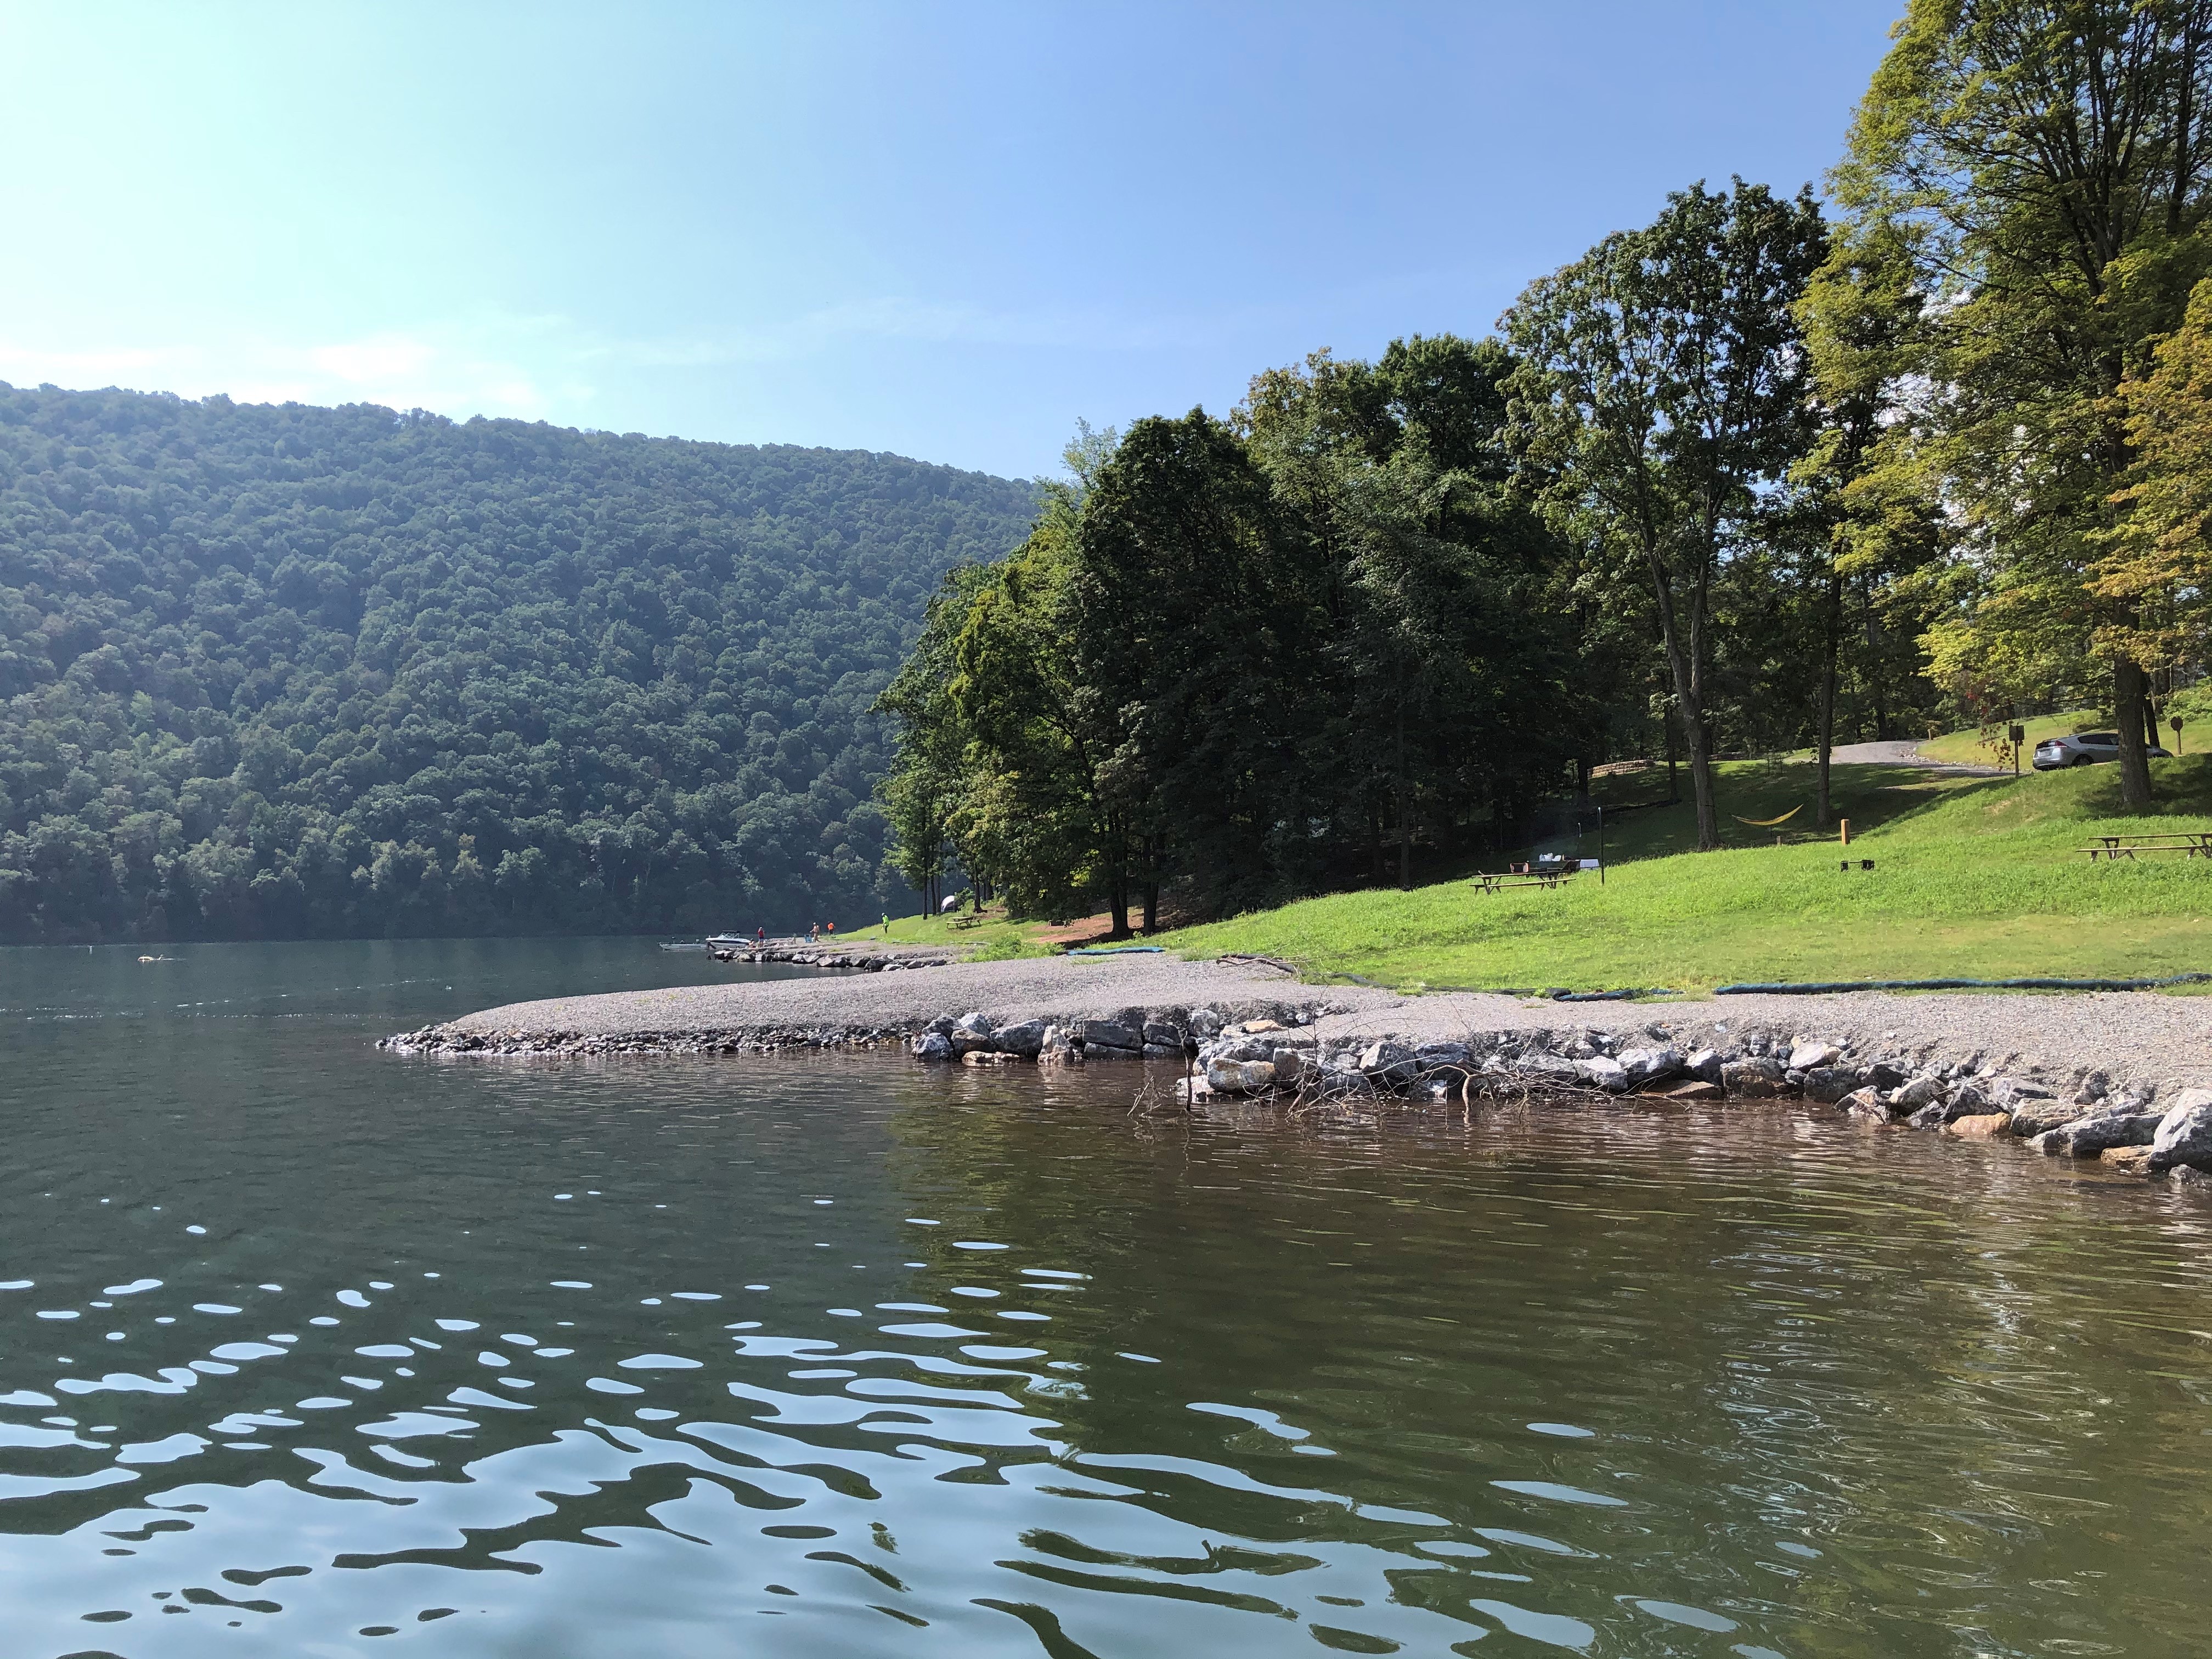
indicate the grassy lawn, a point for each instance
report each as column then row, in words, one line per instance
column 1637, row 826
column 990, row 936
column 1979, row 747
column 1975, row 877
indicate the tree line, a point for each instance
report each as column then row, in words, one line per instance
column 1768, row 472
column 284, row 671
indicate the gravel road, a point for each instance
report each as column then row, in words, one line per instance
column 1892, row 753
column 2132, row 1037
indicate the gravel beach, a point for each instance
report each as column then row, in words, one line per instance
column 2130, row 1036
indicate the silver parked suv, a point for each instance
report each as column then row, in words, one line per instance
column 2082, row 749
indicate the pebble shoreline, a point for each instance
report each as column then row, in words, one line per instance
column 2114, row 1077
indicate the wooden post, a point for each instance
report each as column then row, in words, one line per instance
column 1845, row 824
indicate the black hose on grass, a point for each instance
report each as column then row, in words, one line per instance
column 1961, row 985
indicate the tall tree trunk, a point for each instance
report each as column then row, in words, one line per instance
column 1116, row 848
column 1673, row 784
column 1152, row 907
column 1691, row 707
column 2129, row 687
column 1405, row 805
column 1830, row 644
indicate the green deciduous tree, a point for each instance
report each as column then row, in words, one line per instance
column 2040, row 167
column 2155, row 568
column 1660, row 399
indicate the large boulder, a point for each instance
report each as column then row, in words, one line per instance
column 1706, row 1065
column 1549, row 1068
column 1830, row 1084
column 1204, row 1024
column 1646, row 1065
column 1919, row 1092
column 1754, row 1075
column 1250, row 1047
column 2033, row 1116
column 932, row 1045
column 1437, row 1056
column 1968, row 1099
column 2086, row 1137
column 1389, row 1062
column 1058, row 1047
column 1110, row 1036
column 1865, row 1103
column 1164, row 1034
column 1240, row 1076
column 970, row 1032
column 1809, row 1054
column 1025, row 1037
column 1979, row 1126
column 1601, row 1072
column 2184, row 1133
column 1294, row 1067
column 2016, row 1095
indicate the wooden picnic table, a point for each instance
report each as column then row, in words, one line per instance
column 1491, row 884
column 2189, row 843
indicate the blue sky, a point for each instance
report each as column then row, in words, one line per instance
column 946, row 230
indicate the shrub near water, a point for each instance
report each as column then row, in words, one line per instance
column 1978, row 878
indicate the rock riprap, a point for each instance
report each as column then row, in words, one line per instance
column 2042, row 1070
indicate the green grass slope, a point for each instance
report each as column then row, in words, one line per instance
column 1981, row 745
column 1974, row 877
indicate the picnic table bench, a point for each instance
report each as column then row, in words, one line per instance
column 1491, row 884
column 2189, row 843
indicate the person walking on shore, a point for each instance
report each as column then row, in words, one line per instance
column 814, row 934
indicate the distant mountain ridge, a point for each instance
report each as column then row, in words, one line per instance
column 279, row 671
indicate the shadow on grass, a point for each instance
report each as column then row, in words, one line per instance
column 1870, row 797
column 1894, row 798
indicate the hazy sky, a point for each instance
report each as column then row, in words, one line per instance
column 947, row 230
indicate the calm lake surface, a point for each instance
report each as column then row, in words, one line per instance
column 306, row 1349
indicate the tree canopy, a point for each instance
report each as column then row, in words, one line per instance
column 2040, row 173
column 283, row 670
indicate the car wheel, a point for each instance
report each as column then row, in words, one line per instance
column 2081, row 760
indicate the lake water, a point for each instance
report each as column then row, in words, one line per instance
column 306, row 1349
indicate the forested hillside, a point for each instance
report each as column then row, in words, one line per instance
column 278, row 670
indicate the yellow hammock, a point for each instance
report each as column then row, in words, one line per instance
column 1768, row 824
